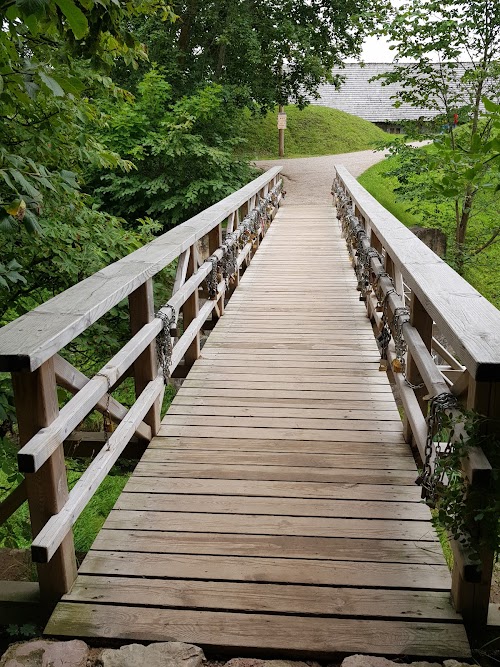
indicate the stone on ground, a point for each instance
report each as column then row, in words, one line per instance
column 42, row 653
column 377, row 661
column 256, row 662
column 163, row 654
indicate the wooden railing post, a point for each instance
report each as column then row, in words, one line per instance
column 214, row 242
column 420, row 319
column 142, row 311
column 35, row 396
column 471, row 596
column 190, row 311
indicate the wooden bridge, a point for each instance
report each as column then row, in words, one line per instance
column 274, row 509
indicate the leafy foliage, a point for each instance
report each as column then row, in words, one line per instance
column 471, row 515
column 404, row 200
column 182, row 150
column 465, row 36
column 267, row 52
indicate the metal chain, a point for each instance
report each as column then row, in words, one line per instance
column 400, row 317
column 164, row 346
column 431, row 477
column 212, row 280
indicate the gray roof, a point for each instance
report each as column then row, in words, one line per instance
column 368, row 99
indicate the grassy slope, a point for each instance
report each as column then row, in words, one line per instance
column 313, row 131
column 483, row 273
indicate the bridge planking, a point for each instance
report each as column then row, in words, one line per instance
column 276, row 510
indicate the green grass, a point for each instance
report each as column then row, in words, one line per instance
column 482, row 272
column 313, row 131
column 90, row 521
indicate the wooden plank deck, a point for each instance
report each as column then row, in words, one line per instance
column 276, row 512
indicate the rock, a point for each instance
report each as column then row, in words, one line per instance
column 375, row 661
column 41, row 653
column 256, row 662
column 163, row 654
column 433, row 238
column 245, row 662
column 455, row 663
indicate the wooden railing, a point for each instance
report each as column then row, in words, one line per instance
column 445, row 342
column 30, row 346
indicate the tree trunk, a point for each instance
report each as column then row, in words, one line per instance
column 186, row 25
column 461, row 231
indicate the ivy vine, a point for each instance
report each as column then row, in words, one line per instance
column 469, row 513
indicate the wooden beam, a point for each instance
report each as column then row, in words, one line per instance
column 35, row 396
column 35, row 337
column 13, row 501
column 44, row 443
column 46, row 543
column 142, row 312
column 20, row 603
column 470, row 324
column 87, row 444
column 420, row 320
column 180, row 275
column 71, row 379
column 190, row 312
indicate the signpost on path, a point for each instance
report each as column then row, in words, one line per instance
column 281, row 130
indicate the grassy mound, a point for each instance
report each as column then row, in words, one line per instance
column 313, row 131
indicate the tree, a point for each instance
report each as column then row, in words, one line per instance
column 181, row 149
column 464, row 38
column 268, row 52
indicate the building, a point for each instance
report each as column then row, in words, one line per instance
column 370, row 100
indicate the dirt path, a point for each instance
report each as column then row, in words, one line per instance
column 308, row 179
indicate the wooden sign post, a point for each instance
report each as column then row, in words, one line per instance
column 281, row 131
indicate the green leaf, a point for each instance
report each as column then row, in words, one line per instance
column 30, row 222
column 76, row 18
column 490, row 106
column 52, row 85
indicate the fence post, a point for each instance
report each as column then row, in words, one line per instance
column 214, row 242
column 141, row 312
column 471, row 586
column 35, row 396
column 190, row 310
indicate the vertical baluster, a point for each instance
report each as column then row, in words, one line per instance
column 35, row 396
column 190, row 310
column 214, row 242
column 141, row 312
column 471, row 594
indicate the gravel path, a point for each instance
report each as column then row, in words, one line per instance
column 308, row 180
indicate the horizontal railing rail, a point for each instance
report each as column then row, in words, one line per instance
column 468, row 321
column 35, row 337
column 413, row 298
column 30, row 346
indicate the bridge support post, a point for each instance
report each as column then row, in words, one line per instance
column 142, row 311
column 214, row 242
column 35, row 396
column 191, row 309
column 471, row 585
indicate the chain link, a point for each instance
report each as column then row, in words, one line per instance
column 164, row 345
column 432, row 477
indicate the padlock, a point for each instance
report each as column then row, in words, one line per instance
column 397, row 366
column 383, row 365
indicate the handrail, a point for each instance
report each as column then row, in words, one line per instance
column 389, row 259
column 30, row 345
column 29, row 341
column 469, row 322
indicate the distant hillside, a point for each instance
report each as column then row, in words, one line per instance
column 313, row 131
